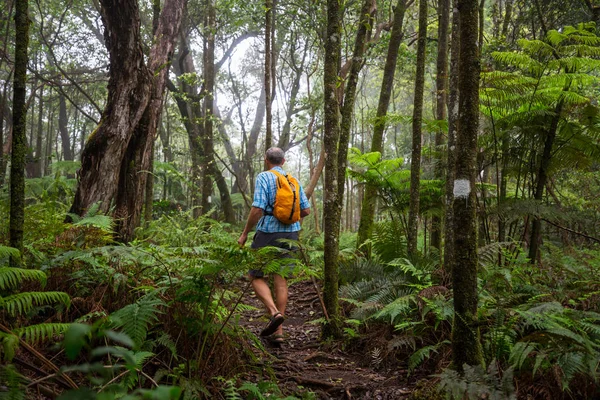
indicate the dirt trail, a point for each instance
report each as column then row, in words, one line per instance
column 302, row 360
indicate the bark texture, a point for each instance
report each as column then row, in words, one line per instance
column 451, row 153
column 441, row 84
column 117, row 155
column 19, row 139
column 417, row 133
column 466, row 348
column 330, row 142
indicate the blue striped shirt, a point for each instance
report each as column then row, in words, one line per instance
column 265, row 190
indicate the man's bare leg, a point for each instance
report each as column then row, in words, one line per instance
column 281, row 296
column 263, row 292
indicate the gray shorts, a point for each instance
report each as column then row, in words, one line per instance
column 264, row 239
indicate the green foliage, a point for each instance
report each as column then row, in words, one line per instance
column 19, row 304
column 118, row 381
column 135, row 319
column 392, row 178
column 476, row 383
column 13, row 383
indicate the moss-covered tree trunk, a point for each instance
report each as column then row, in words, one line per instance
column 331, row 221
column 369, row 199
column 466, row 348
column 441, row 84
column 417, row 133
column 116, row 157
column 19, row 140
column 208, row 162
column 451, row 147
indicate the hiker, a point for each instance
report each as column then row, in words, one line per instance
column 270, row 229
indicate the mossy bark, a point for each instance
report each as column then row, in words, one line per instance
column 451, row 152
column 441, row 83
column 116, row 157
column 369, row 199
column 331, row 221
column 417, row 133
column 466, row 347
column 19, row 140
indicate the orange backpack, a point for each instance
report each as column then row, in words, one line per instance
column 287, row 200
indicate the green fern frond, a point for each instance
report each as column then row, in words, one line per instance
column 11, row 278
column 103, row 222
column 400, row 306
column 134, row 319
column 140, row 358
column 21, row 303
column 166, row 341
column 419, row 356
column 520, row 352
column 8, row 345
column 40, row 332
column 13, row 382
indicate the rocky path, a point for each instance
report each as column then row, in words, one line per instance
column 324, row 368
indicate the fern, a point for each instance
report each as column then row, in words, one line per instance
column 424, row 353
column 40, row 332
column 134, row 319
column 12, row 278
column 22, row 303
column 12, row 383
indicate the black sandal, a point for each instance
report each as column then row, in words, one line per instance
column 274, row 323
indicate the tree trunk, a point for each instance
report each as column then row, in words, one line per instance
column 268, row 71
column 367, row 14
column 417, row 134
column 441, row 83
column 63, row 123
column 542, row 179
column 507, row 18
column 208, row 163
column 149, row 189
column 38, row 160
column 209, row 77
column 369, row 199
column 451, row 152
column 330, row 141
column 3, row 116
column 117, row 155
column 466, row 348
column 19, row 141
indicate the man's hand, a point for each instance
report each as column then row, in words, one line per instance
column 242, row 239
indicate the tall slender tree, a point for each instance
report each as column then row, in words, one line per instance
column 466, row 348
column 369, row 199
column 330, row 142
column 268, row 71
column 441, row 85
column 451, row 151
column 19, row 141
column 417, row 133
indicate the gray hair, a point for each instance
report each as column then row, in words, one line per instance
column 275, row 156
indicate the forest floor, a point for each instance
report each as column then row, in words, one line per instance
column 331, row 370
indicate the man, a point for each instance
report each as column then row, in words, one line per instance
column 268, row 233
